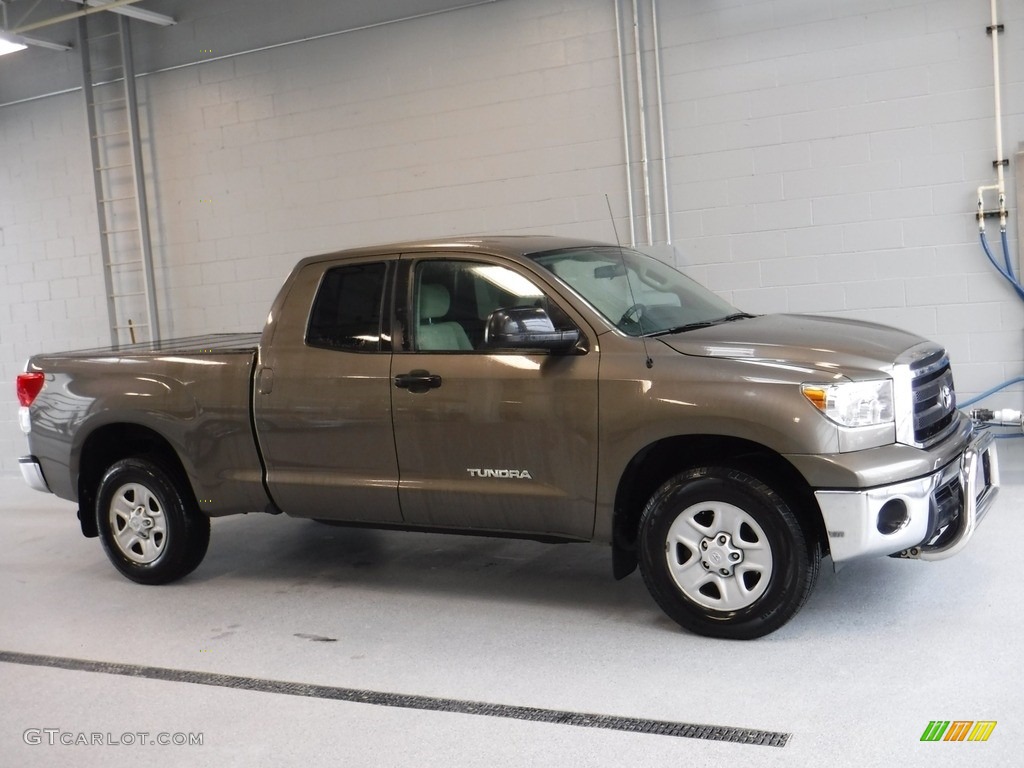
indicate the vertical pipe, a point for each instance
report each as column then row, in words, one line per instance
column 998, row 98
column 625, row 126
column 142, row 209
column 643, row 121
column 997, row 88
column 661, row 120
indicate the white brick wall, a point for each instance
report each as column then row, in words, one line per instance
column 880, row 120
column 51, row 288
column 823, row 157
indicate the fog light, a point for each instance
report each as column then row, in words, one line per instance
column 892, row 516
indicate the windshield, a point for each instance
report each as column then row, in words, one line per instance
column 638, row 294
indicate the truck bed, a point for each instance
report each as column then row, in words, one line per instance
column 194, row 393
column 227, row 343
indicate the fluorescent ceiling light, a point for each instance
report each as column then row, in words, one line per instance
column 6, row 46
column 10, row 43
column 43, row 43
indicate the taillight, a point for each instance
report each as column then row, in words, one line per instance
column 29, row 386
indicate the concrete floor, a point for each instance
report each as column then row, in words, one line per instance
column 880, row 650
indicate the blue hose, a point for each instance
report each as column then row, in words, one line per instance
column 992, row 391
column 1010, row 277
column 1007, row 274
column 1006, row 257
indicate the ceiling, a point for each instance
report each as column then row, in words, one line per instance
column 221, row 26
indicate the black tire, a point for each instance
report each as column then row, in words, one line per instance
column 149, row 523
column 724, row 555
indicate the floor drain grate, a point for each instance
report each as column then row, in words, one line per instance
column 404, row 701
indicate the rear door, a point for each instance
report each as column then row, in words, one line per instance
column 490, row 440
column 323, row 396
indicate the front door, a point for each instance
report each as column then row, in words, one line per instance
column 487, row 439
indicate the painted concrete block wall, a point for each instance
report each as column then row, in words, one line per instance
column 826, row 157
column 822, row 158
column 499, row 118
column 51, row 284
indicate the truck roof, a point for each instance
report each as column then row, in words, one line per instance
column 505, row 245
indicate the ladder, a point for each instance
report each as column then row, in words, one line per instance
column 111, row 106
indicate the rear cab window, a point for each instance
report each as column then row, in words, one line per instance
column 348, row 311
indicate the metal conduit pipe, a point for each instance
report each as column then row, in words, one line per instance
column 625, row 125
column 994, row 32
column 661, row 119
column 999, row 187
column 641, row 107
column 642, row 104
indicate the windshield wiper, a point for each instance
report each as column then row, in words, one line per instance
column 702, row 324
column 682, row 328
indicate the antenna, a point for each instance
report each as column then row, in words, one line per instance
column 612, row 218
column 625, row 271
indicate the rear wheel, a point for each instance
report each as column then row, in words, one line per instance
column 148, row 522
column 724, row 555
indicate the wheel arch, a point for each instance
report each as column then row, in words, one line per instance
column 113, row 442
column 654, row 464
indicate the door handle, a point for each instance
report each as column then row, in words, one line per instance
column 417, row 381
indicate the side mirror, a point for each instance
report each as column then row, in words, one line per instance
column 527, row 328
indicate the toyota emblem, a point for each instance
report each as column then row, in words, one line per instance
column 946, row 397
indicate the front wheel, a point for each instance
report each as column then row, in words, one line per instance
column 148, row 523
column 724, row 555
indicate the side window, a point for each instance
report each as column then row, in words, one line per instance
column 347, row 309
column 453, row 300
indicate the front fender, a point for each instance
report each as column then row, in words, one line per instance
column 682, row 398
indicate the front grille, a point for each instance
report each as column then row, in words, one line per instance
column 933, row 398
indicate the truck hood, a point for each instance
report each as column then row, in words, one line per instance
column 825, row 344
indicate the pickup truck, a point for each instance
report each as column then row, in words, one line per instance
column 547, row 388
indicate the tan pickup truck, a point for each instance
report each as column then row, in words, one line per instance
column 548, row 388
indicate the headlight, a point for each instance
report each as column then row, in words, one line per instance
column 853, row 403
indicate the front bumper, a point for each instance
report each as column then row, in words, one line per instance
column 930, row 517
column 32, row 473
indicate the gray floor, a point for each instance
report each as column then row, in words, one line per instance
column 880, row 650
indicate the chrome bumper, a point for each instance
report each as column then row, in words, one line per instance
column 900, row 519
column 32, row 473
